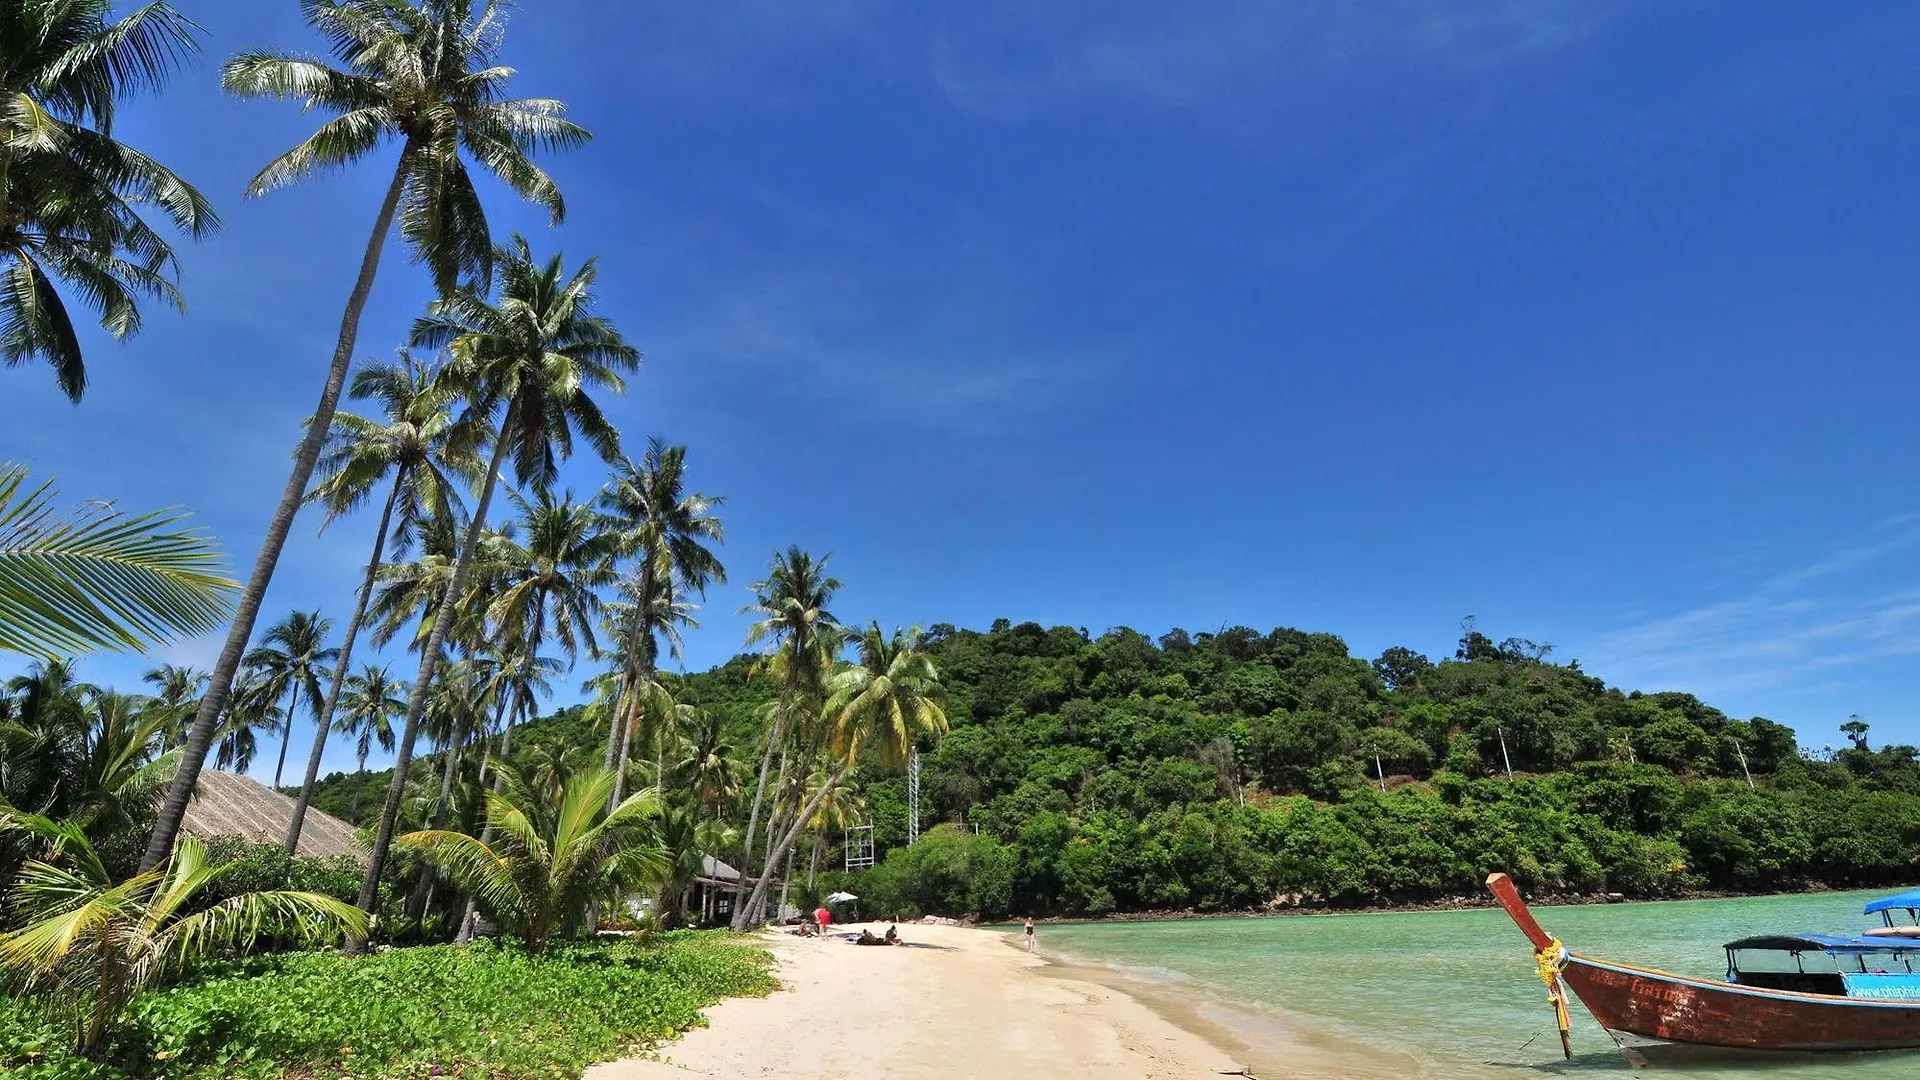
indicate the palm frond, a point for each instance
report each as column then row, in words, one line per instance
column 97, row 577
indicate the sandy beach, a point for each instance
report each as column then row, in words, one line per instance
column 963, row 1003
column 957, row 1003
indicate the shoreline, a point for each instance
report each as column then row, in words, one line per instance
column 1269, row 1043
column 1458, row 903
column 962, row 1002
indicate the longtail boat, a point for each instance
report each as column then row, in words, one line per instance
column 1782, row 991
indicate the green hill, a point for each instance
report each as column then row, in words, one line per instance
column 1241, row 770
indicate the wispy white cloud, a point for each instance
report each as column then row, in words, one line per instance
column 1198, row 54
column 919, row 352
column 1012, row 59
column 1839, row 610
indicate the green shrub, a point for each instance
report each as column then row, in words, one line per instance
column 477, row 1011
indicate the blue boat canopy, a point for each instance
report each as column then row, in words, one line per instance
column 1908, row 899
column 1834, row 944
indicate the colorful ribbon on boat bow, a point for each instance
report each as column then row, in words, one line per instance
column 1549, row 961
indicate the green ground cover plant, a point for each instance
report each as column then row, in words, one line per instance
column 482, row 1010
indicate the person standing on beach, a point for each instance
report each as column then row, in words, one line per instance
column 1029, row 933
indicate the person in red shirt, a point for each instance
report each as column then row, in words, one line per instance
column 824, row 917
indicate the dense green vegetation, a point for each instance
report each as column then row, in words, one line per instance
column 476, row 1011
column 1238, row 771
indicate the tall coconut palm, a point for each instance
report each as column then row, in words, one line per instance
column 90, row 943
column 669, row 532
column 425, row 74
column 295, row 658
column 647, row 620
column 841, row 807
column 882, row 707
column 794, row 622
column 554, row 577
column 253, row 707
column 426, row 451
column 175, row 684
column 533, row 357
column 553, row 855
column 370, row 702
column 70, row 195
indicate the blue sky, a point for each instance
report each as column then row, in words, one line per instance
column 1592, row 319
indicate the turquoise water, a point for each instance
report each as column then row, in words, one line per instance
column 1455, row 991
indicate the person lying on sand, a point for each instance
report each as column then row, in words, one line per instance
column 893, row 935
column 867, row 937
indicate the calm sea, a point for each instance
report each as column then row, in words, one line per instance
column 1453, row 993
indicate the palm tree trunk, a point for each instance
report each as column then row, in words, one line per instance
column 200, row 739
column 813, row 865
column 423, row 881
column 465, row 933
column 423, row 682
column 359, row 781
column 779, row 851
column 776, row 734
column 340, row 673
column 286, row 734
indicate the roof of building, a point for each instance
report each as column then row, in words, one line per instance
column 228, row 804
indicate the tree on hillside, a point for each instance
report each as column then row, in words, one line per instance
column 424, row 73
column 71, row 196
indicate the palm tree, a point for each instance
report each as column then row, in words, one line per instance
column 253, row 708
column 668, row 530
column 841, row 807
column 884, row 706
column 417, row 441
column 45, row 727
column 553, row 580
column 92, row 943
column 533, row 357
column 794, row 621
column 553, row 856
column 423, row 73
column 294, row 659
column 80, row 753
column 97, row 577
column 177, row 688
column 70, row 193
column 650, row 615
column 370, row 702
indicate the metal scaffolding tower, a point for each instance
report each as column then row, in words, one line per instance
column 859, row 847
column 913, row 796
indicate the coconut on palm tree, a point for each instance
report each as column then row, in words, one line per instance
column 294, row 659
column 552, row 856
column 424, row 74
column 369, row 703
column 534, row 357
column 89, row 943
column 427, row 452
column 70, row 194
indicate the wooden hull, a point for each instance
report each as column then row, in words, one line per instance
column 1672, row 1008
column 1705, row 1012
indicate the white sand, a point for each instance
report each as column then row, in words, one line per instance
column 972, row 1006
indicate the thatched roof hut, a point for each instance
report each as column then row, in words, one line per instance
column 228, row 804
